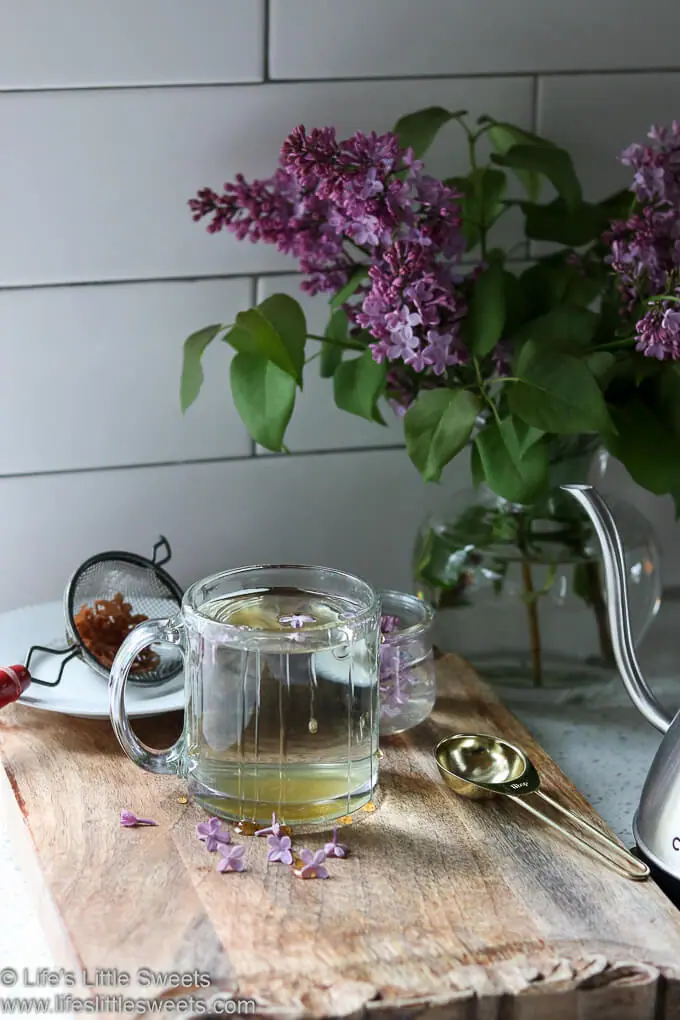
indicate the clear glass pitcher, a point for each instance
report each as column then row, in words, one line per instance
column 281, row 682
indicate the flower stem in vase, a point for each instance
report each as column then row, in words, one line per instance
column 534, row 629
column 592, row 570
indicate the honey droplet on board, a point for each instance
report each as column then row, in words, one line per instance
column 182, row 800
column 369, row 808
column 380, row 754
column 313, row 726
column 246, row 828
column 345, row 820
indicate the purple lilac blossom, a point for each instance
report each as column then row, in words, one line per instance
column 656, row 166
column 232, row 858
column 658, row 332
column 370, row 193
column 645, row 248
column 335, row 849
column 212, row 834
column 279, row 849
column 312, row 865
column 129, row 820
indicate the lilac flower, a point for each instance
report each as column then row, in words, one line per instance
column 388, row 624
column 232, row 858
column 274, row 828
column 312, row 865
column 364, row 189
column 279, row 849
column 129, row 820
column 658, row 332
column 657, row 166
column 212, row 833
column 297, row 620
column 335, row 849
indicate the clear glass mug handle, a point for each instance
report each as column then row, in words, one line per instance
column 168, row 762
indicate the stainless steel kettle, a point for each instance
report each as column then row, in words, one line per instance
column 656, row 826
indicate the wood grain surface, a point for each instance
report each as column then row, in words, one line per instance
column 445, row 908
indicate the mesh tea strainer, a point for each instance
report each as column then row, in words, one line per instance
column 110, row 587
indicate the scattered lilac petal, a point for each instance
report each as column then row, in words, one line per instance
column 129, row 820
column 212, row 833
column 279, row 849
column 297, row 620
column 335, row 849
column 232, row 858
column 274, row 828
column 313, row 865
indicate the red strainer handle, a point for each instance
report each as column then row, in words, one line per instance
column 14, row 680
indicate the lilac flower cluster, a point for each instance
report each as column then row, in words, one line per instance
column 645, row 248
column 363, row 201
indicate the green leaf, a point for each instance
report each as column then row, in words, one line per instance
column 527, row 436
column 515, row 303
column 504, row 137
column 557, row 222
column 549, row 160
column 566, row 328
column 192, row 372
column 510, row 473
column 275, row 330
column 358, row 385
column 554, row 281
column 482, row 194
column 557, row 393
column 437, row 427
column 476, row 467
column 357, row 277
column 484, row 323
column 646, row 447
column 600, row 364
column 418, row 130
column 264, row 397
column 331, row 354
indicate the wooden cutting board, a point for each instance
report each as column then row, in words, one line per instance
column 445, row 908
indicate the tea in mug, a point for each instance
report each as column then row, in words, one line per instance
column 287, row 725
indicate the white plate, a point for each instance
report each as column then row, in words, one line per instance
column 82, row 692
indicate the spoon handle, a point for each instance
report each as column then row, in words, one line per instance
column 617, row 858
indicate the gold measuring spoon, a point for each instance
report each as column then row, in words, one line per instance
column 478, row 766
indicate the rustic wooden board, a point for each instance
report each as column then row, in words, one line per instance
column 446, row 907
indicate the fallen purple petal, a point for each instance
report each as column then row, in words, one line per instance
column 212, row 834
column 129, row 820
column 232, row 858
column 335, row 849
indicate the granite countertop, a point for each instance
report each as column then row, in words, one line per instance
column 594, row 734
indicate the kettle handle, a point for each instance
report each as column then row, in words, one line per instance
column 617, row 605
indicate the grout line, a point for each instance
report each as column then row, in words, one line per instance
column 127, row 281
column 266, row 14
column 254, row 286
column 534, row 104
column 131, row 281
column 470, row 76
column 198, row 461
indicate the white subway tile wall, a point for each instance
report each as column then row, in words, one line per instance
column 391, row 38
column 98, row 43
column 112, row 115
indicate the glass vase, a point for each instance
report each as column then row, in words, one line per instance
column 408, row 685
column 518, row 589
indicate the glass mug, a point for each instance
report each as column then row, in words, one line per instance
column 281, row 693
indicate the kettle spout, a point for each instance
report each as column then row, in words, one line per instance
column 617, row 604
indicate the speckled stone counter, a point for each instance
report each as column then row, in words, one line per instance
column 593, row 733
